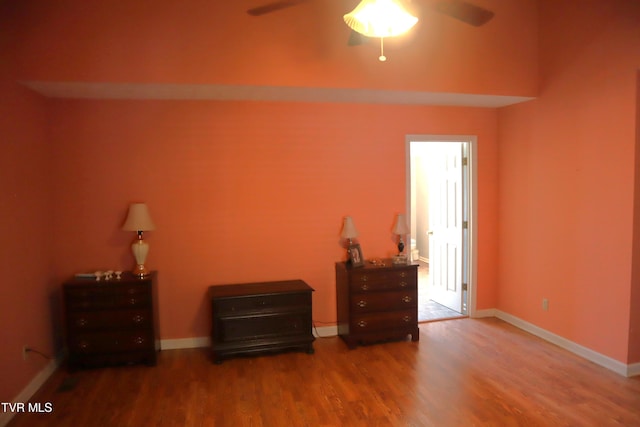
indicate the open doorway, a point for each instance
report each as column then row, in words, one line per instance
column 441, row 211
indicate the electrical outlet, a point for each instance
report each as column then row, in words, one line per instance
column 25, row 352
column 545, row 304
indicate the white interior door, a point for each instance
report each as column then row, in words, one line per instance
column 446, row 224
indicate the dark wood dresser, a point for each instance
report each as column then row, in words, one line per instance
column 253, row 318
column 111, row 321
column 377, row 302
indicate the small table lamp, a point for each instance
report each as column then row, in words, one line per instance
column 139, row 220
column 401, row 229
column 349, row 231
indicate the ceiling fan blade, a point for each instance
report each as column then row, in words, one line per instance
column 272, row 7
column 465, row 12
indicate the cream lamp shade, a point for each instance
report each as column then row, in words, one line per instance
column 139, row 220
column 348, row 229
column 380, row 18
column 400, row 227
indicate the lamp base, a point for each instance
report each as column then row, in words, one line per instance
column 140, row 271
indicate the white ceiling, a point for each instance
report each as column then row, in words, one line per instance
column 140, row 91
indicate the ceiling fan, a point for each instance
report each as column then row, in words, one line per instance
column 457, row 9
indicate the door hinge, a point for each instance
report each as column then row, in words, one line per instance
column 465, row 287
column 465, row 224
column 465, row 161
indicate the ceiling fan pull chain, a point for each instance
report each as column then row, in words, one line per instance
column 382, row 58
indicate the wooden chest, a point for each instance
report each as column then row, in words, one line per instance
column 254, row 318
column 111, row 322
column 377, row 303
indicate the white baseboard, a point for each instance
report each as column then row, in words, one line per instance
column 633, row 369
column 584, row 352
column 478, row 314
column 31, row 388
column 194, row 342
column 325, row 331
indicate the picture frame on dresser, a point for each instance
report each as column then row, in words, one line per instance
column 355, row 255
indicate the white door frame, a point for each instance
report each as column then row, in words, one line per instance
column 472, row 186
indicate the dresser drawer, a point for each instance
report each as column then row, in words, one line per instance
column 83, row 298
column 373, row 322
column 243, row 328
column 371, row 281
column 260, row 303
column 85, row 321
column 111, row 342
column 106, row 296
column 383, row 301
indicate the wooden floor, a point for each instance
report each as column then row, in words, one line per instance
column 462, row 372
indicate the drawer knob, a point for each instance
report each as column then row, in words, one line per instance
column 133, row 301
column 403, row 284
column 362, row 303
column 364, row 287
column 362, row 323
column 403, row 274
column 364, row 278
column 138, row 340
column 138, row 318
column 83, row 345
column 82, row 322
column 406, row 298
column 406, row 318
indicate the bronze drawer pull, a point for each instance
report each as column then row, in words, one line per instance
column 138, row 340
column 82, row 322
column 403, row 274
column 362, row 323
column 406, row 318
column 406, row 298
column 138, row 318
column 133, row 301
column 364, row 287
column 362, row 303
column 364, row 278
column 403, row 284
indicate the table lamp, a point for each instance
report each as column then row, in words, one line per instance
column 139, row 220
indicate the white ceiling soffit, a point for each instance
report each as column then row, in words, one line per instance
column 139, row 91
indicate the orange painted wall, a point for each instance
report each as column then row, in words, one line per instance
column 567, row 164
column 634, row 319
column 244, row 191
column 27, row 307
column 217, row 42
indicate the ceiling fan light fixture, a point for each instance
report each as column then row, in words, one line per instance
column 380, row 18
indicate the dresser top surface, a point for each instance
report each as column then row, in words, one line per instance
column 258, row 288
column 383, row 264
column 128, row 278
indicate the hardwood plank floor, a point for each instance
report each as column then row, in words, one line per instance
column 466, row 372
